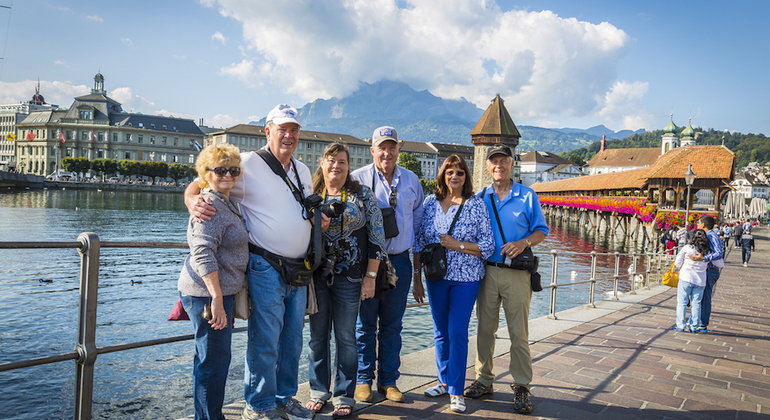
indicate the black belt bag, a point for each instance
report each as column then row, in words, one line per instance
column 293, row 271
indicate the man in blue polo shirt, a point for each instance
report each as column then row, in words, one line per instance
column 523, row 225
column 715, row 264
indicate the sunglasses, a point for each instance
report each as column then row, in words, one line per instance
column 222, row 171
column 458, row 173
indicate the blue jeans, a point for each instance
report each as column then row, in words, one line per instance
column 390, row 312
column 451, row 304
column 745, row 254
column 712, row 275
column 275, row 337
column 685, row 292
column 338, row 305
column 212, row 357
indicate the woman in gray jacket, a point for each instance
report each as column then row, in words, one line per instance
column 213, row 273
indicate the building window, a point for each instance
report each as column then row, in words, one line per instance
column 140, row 139
column 152, row 139
column 318, row 147
column 174, row 158
column 367, row 161
column 309, row 146
column 69, row 152
column 359, row 161
column 309, row 158
column 53, row 151
column 163, row 140
column 191, row 159
column 100, row 154
column 84, row 135
column 100, row 136
column 114, row 136
column 253, row 142
column 128, row 155
column 139, row 155
column 176, row 141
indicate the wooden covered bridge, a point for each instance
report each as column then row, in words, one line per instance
column 640, row 201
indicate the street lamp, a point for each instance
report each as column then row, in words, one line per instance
column 689, row 178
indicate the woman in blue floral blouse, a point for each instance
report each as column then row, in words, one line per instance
column 355, row 245
column 452, row 298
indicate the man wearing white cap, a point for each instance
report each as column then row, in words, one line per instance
column 399, row 194
column 279, row 227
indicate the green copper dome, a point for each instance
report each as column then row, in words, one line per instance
column 670, row 128
column 688, row 132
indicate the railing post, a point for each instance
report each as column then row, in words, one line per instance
column 647, row 272
column 86, row 347
column 554, row 284
column 633, row 273
column 617, row 275
column 657, row 275
column 592, row 286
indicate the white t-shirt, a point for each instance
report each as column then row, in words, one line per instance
column 273, row 216
column 692, row 271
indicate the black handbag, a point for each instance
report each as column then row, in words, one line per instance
column 389, row 225
column 433, row 256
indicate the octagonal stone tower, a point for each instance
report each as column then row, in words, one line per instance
column 495, row 126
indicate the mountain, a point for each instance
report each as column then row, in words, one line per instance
column 422, row 116
column 600, row 130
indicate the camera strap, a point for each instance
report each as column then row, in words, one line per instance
column 457, row 216
column 393, row 200
column 277, row 168
column 494, row 208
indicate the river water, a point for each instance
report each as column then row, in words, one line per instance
column 137, row 289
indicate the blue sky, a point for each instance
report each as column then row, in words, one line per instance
column 624, row 64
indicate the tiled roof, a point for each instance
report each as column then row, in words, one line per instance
column 446, row 148
column 619, row 158
column 416, row 146
column 708, row 162
column 544, row 157
column 562, row 167
column 633, row 179
column 259, row 131
column 496, row 121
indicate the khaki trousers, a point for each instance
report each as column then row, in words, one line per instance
column 512, row 289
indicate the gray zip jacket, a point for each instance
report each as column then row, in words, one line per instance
column 219, row 244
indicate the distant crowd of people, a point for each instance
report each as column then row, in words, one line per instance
column 254, row 224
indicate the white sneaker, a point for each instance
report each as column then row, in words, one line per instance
column 435, row 391
column 745, row 264
column 458, row 404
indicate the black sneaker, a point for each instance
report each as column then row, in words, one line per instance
column 476, row 390
column 521, row 402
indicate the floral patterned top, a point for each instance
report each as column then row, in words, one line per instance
column 363, row 237
column 473, row 225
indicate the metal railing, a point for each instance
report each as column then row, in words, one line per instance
column 86, row 351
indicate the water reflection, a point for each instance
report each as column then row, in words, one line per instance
column 150, row 383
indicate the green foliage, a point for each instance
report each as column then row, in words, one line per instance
column 153, row 169
column 177, row 171
column 129, row 168
column 104, row 166
column 428, row 187
column 408, row 161
column 79, row 164
column 576, row 159
column 747, row 147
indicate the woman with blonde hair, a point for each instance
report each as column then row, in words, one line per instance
column 213, row 272
column 355, row 245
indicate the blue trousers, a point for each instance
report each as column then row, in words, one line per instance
column 688, row 292
column 746, row 254
column 338, row 304
column 275, row 337
column 451, row 304
column 212, row 358
column 388, row 314
column 712, row 275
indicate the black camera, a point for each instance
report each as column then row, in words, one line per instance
column 333, row 209
column 330, row 258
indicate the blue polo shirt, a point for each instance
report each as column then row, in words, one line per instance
column 520, row 215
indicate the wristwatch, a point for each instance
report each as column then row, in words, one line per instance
column 462, row 246
column 371, row 274
column 529, row 244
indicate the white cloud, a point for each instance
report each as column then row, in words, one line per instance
column 131, row 101
column 621, row 105
column 541, row 63
column 59, row 93
column 219, row 37
column 94, row 18
column 127, row 41
column 224, row 121
column 547, row 124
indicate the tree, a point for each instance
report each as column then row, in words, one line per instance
column 79, row 164
column 128, row 168
column 154, row 169
column 428, row 187
column 104, row 166
column 177, row 171
column 576, row 159
column 408, row 161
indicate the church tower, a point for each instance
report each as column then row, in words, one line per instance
column 687, row 135
column 670, row 140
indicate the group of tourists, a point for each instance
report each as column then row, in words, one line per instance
column 253, row 224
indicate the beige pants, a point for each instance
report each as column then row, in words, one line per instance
column 513, row 290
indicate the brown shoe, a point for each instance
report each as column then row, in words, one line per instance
column 391, row 392
column 364, row 393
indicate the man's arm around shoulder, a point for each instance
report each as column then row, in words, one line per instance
column 198, row 205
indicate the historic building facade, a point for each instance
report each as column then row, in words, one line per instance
column 95, row 127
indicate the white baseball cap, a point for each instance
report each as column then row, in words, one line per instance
column 283, row 114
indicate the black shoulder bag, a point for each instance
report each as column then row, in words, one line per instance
column 526, row 260
column 389, row 224
column 297, row 272
column 433, row 256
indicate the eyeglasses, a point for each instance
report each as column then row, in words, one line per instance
column 393, row 201
column 458, row 173
column 222, row 171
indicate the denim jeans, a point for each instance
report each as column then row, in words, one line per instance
column 745, row 254
column 685, row 292
column 212, row 357
column 712, row 275
column 451, row 304
column 389, row 311
column 338, row 305
column 275, row 337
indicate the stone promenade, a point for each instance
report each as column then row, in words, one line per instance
column 622, row 361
